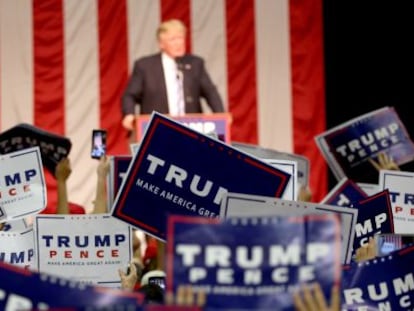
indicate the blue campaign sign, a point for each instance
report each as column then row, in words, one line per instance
column 218, row 123
column 348, row 147
column 344, row 194
column 121, row 164
column 374, row 216
column 118, row 167
column 380, row 284
column 253, row 263
column 178, row 170
column 42, row 290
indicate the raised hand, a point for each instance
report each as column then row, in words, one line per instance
column 385, row 162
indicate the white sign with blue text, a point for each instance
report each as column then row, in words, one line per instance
column 22, row 184
column 17, row 248
column 87, row 248
column 400, row 185
column 290, row 167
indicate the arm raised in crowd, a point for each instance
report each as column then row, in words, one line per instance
column 385, row 162
column 311, row 298
column 62, row 173
column 101, row 201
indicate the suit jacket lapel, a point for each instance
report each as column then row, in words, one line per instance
column 159, row 73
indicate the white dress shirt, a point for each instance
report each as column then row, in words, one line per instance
column 173, row 77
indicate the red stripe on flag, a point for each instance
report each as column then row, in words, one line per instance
column 241, row 68
column 48, row 38
column 49, row 85
column 170, row 9
column 308, row 88
column 113, row 71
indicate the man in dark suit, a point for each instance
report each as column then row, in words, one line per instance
column 170, row 82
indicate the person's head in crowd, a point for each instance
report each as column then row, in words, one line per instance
column 153, row 286
column 171, row 38
column 153, row 276
column 153, row 294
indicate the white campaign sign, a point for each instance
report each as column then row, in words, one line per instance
column 86, row 248
column 22, row 184
column 369, row 189
column 17, row 248
column 245, row 205
column 400, row 184
column 290, row 167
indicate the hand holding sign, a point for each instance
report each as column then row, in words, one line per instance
column 385, row 162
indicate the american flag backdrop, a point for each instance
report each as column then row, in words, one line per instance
column 65, row 63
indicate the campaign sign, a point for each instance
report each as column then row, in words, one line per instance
column 22, row 289
column 134, row 147
column 369, row 189
column 401, row 188
column 385, row 283
column 348, row 146
column 206, row 123
column 290, row 167
column 158, row 307
column 344, row 194
column 118, row 166
column 17, row 248
column 14, row 225
column 22, row 184
column 267, row 153
column 253, row 263
column 244, row 205
column 374, row 217
column 87, row 248
column 178, row 170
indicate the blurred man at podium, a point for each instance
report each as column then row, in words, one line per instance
column 171, row 81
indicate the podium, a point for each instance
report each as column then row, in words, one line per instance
column 205, row 123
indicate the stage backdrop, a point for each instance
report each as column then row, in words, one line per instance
column 64, row 64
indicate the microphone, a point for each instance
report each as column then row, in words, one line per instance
column 180, row 67
column 179, row 62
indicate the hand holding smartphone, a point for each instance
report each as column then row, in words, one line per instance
column 98, row 143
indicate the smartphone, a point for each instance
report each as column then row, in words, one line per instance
column 389, row 242
column 98, row 143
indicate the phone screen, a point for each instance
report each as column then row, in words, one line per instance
column 389, row 242
column 98, row 144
